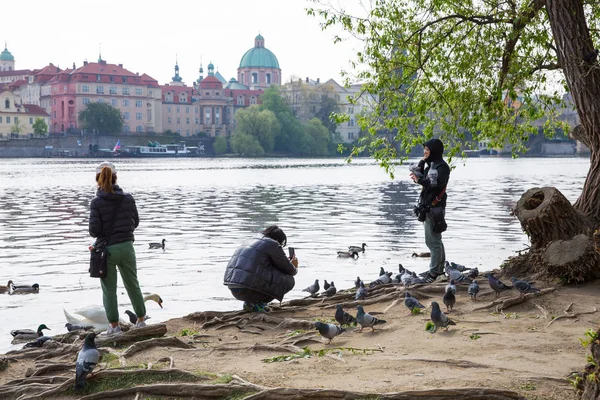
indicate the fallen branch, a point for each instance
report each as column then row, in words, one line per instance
column 502, row 304
column 574, row 315
column 542, row 309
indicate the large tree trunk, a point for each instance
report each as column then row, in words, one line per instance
column 572, row 36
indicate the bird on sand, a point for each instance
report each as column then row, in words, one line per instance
column 411, row 303
column 452, row 286
column 440, row 320
column 362, row 292
column 497, row 285
column 87, row 358
column 342, row 317
column 328, row 331
column 366, row 320
column 523, row 286
column 473, row 290
column 449, row 299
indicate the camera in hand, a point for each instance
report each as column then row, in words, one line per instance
column 292, row 252
column 421, row 212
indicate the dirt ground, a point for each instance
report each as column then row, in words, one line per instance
column 521, row 349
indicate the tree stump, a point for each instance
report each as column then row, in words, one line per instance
column 546, row 215
column 574, row 260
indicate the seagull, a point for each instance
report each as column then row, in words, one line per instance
column 86, row 360
column 157, row 245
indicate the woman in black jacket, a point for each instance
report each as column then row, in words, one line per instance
column 260, row 271
column 114, row 215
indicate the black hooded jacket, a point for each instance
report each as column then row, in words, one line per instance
column 261, row 265
column 433, row 187
column 102, row 211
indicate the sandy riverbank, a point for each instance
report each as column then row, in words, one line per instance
column 523, row 349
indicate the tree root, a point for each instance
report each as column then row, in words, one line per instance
column 49, row 368
column 573, row 315
column 289, row 348
column 162, row 342
column 133, row 335
column 503, row 304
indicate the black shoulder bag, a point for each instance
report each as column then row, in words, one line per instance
column 99, row 253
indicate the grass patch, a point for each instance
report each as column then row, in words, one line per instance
column 131, row 380
column 187, row 332
column 590, row 336
column 416, row 311
column 308, row 353
column 325, row 320
column 528, row 386
column 474, row 336
column 225, row 378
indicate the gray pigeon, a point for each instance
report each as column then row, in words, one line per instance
column 367, row 320
column 134, row 318
column 452, row 286
column 400, row 269
column 439, row 319
column 314, row 288
column 71, row 327
column 473, row 290
column 472, row 273
column 325, row 284
column 39, row 342
column 362, row 292
column 406, row 278
column 381, row 271
column 497, row 285
column 449, row 299
column 523, row 286
column 357, row 282
column 328, row 331
column 382, row 280
column 331, row 290
column 86, row 360
column 342, row 317
column 458, row 267
column 457, row 276
column 410, row 302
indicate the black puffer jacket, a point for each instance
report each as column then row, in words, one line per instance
column 102, row 211
column 261, row 265
column 433, row 187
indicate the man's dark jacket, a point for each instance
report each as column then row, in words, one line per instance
column 429, row 192
column 261, row 265
column 102, row 212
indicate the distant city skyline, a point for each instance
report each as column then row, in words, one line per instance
column 149, row 37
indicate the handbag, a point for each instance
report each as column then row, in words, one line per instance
column 99, row 253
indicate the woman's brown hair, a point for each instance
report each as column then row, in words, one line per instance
column 106, row 179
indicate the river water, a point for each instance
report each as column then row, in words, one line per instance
column 205, row 208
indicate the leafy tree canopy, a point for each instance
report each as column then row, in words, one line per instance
column 246, row 145
column 220, row 145
column 101, row 118
column 40, row 126
column 262, row 125
column 444, row 69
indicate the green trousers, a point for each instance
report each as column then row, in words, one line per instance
column 123, row 256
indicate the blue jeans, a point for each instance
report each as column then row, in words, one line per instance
column 436, row 247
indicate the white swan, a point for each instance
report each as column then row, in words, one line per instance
column 96, row 315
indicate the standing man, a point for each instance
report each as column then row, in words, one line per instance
column 433, row 173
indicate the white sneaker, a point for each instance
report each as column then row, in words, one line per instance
column 113, row 330
column 140, row 324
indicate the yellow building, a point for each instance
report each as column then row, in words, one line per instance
column 17, row 119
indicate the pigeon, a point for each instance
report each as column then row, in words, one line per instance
column 39, row 342
column 314, row 288
column 457, row 276
column 382, row 280
column 397, row 279
column 331, row 290
column 381, row 271
column 497, row 285
column 342, row 317
column 451, row 286
column 401, row 269
column 133, row 318
column 357, row 282
column 452, row 265
column 473, row 290
column 449, row 299
column 325, row 284
column 367, row 320
column 439, row 319
column 406, row 278
column 160, row 245
column 410, row 302
column 71, row 327
column 523, row 286
column 86, row 360
column 415, row 279
column 328, row 331
column 347, row 254
column 472, row 273
column 357, row 248
column 362, row 292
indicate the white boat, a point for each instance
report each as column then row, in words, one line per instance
column 155, row 149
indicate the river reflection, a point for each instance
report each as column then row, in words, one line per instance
column 205, row 207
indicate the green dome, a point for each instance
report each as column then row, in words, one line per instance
column 259, row 37
column 6, row 56
column 259, row 57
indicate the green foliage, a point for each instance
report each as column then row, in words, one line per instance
column 429, row 326
column 246, row 145
column 590, row 336
column 16, row 128
column 220, row 145
column 416, row 311
column 328, row 108
column 316, row 138
column 307, row 353
column 474, row 336
column 262, row 125
column 102, row 118
column 528, row 386
column 187, row 332
column 225, row 378
column 40, row 127
column 460, row 71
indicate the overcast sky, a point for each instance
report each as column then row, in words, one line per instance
column 147, row 36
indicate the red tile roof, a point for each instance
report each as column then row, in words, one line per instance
column 16, row 72
column 176, row 91
column 32, row 109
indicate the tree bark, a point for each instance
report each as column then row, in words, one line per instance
column 574, row 260
column 572, row 37
column 546, row 215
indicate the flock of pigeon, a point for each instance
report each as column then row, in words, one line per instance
column 456, row 274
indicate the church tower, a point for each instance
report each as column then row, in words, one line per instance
column 7, row 61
